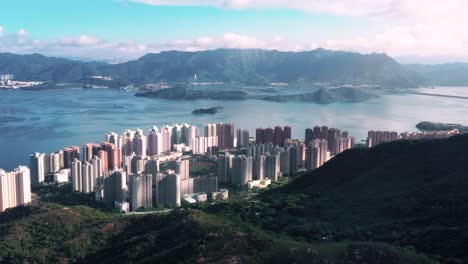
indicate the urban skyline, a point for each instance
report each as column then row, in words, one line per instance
column 129, row 163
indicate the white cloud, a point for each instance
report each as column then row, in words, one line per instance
column 232, row 40
column 82, row 40
column 21, row 33
column 228, row 40
column 400, row 28
column 1, row 31
column 407, row 27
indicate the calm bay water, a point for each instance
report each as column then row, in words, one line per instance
column 50, row 120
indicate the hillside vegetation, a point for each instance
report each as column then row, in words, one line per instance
column 52, row 233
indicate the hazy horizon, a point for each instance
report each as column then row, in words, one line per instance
column 411, row 31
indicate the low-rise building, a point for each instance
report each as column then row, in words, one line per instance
column 62, row 176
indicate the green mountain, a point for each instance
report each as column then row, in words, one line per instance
column 36, row 67
column 262, row 66
column 249, row 66
column 407, row 193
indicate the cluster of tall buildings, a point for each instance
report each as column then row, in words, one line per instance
column 127, row 167
column 375, row 138
column 147, row 168
column 223, row 132
column 147, row 186
column 337, row 140
column 117, row 150
column 86, row 175
column 136, row 157
column 15, row 188
column 277, row 135
column 173, row 185
column 43, row 164
column 243, row 138
column 317, row 153
column 6, row 77
column 259, row 162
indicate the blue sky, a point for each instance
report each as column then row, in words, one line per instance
column 127, row 29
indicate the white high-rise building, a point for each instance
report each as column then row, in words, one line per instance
column 114, row 138
column 155, row 141
column 87, row 173
column 15, row 188
column 176, row 134
column 166, row 139
column 182, row 167
column 127, row 142
column 259, row 167
column 23, row 185
column 141, row 190
column 210, row 130
column 54, row 162
column 76, row 175
column 202, row 145
column 97, row 170
column 114, row 186
column 241, row 172
column 127, row 163
column 85, row 176
column 38, row 168
column 272, row 167
column 173, row 189
column 285, row 161
column 223, row 167
column 188, row 132
column 317, row 154
column 212, row 141
column 242, row 138
column 139, row 143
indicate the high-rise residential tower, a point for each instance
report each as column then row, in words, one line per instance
column 15, row 188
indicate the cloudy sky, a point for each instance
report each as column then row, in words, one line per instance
column 429, row 31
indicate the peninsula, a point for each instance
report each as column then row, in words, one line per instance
column 433, row 126
column 182, row 92
column 321, row 96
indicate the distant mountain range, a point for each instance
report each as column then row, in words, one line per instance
column 248, row 66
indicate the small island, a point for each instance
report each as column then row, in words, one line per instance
column 208, row 111
column 119, row 106
column 433, row 126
